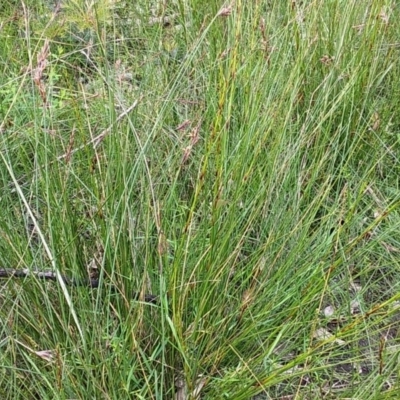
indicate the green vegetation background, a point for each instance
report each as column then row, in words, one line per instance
column 240, row 161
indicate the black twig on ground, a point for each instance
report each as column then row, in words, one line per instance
column 51, row 276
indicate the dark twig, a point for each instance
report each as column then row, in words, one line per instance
column 51, row 276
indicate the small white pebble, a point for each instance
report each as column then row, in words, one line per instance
column 329, row 311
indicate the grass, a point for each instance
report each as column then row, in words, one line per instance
column 252, row 186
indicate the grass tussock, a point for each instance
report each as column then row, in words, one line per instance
column 237, row 160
